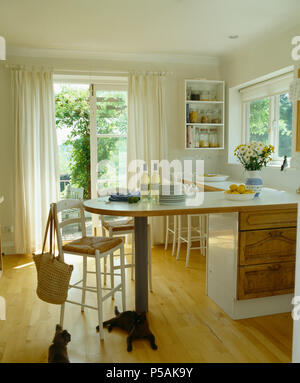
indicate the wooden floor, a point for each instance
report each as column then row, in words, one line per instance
column 188, row 326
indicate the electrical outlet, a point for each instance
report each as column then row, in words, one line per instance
column 7, row 229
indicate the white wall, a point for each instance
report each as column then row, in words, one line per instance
column 178, row 70
column 257, row 60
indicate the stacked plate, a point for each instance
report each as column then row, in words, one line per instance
column 171, row 194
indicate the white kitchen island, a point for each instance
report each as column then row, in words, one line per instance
column 272, row 215
column 226, row 266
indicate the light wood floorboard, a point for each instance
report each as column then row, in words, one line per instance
column 189, row 327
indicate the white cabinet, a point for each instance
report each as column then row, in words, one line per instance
column 204, row 114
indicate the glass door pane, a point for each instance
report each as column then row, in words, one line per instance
column 112, row 165
column 259, row 117
column 285, row 126
column 111, row 118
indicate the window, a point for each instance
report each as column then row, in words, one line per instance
column 108, row 138
column 267, row 115
column 72, row 127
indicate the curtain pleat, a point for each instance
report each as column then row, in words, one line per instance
column 36, row 165
column 147, row 128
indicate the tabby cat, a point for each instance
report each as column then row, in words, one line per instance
column 58, row 352
column 134, row 324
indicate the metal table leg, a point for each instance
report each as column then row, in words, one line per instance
column 141, row 264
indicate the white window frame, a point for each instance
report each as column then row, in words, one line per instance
column 263, row 92
column 109, row 86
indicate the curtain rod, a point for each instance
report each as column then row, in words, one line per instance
column 110, row 72
column 263, row 81
column 74, row 71
column 84, row 71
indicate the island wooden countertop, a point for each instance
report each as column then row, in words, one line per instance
column 212, row 203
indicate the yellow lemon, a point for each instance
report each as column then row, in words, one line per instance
column 241, row 189
column 233, row 187
column 228, row 192
column 235, row 192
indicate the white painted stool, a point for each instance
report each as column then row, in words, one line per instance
column 201, row 235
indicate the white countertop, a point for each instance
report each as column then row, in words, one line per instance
column 208, row 202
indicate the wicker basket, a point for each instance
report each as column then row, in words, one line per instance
column 53, row 275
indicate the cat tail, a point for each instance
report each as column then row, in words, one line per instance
column 117, row 312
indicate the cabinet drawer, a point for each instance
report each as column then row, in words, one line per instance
column 266, row 280
column 265, row 246
column 267, row 219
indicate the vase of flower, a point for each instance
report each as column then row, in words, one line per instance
column 253, row 157
column 253, row 181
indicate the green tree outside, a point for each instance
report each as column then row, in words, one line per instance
column 73, row 113
column 259, row 123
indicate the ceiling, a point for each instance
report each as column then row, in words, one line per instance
column 195, row 27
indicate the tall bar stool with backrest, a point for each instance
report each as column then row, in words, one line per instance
column 97, row 248
column 120, row 226
column 189, row 238
column 172, row 230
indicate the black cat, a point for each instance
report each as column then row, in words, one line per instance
column 58, row 352
column 134, row 324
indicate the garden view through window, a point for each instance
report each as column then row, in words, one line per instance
column 73, row 122
column 270, row 121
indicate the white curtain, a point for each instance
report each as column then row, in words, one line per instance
column 147, row 127
column 36, row 166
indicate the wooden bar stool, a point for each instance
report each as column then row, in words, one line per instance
column 97, row 248
column 120, row 226
column 172, row 230
column 201, row 235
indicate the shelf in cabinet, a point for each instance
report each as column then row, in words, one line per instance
column 200, row 124
column 203, row 102
column 218, row 148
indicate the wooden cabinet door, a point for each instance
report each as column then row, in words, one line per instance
column 267, row 246
column 268, row 219
column 265, row 280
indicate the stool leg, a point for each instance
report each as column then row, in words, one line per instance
column 84, row 276
column 105, row 268
column 167, row 232
column 150, row 258
column 133, row 256
column 123, row 279
column 62, row 314
column 188, row 250
column 174, row 235
column 179, row 237
column 205, row 234
column 202, row 237
column 112, row 280
column 99, row 294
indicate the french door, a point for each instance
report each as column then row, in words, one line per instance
column 108, row 138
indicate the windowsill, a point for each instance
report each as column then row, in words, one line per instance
column 272, row 165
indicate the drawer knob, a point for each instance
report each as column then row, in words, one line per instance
column 274, row 267
column 275, row 234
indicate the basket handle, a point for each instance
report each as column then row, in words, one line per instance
column 49, row 223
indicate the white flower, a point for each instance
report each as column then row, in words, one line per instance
column 250, row 153
column 259, row 150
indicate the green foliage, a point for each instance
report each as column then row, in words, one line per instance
column 73, row 113
column 111, row 119
column 259, row 123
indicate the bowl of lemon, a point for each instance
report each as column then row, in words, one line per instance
column 238, row 193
